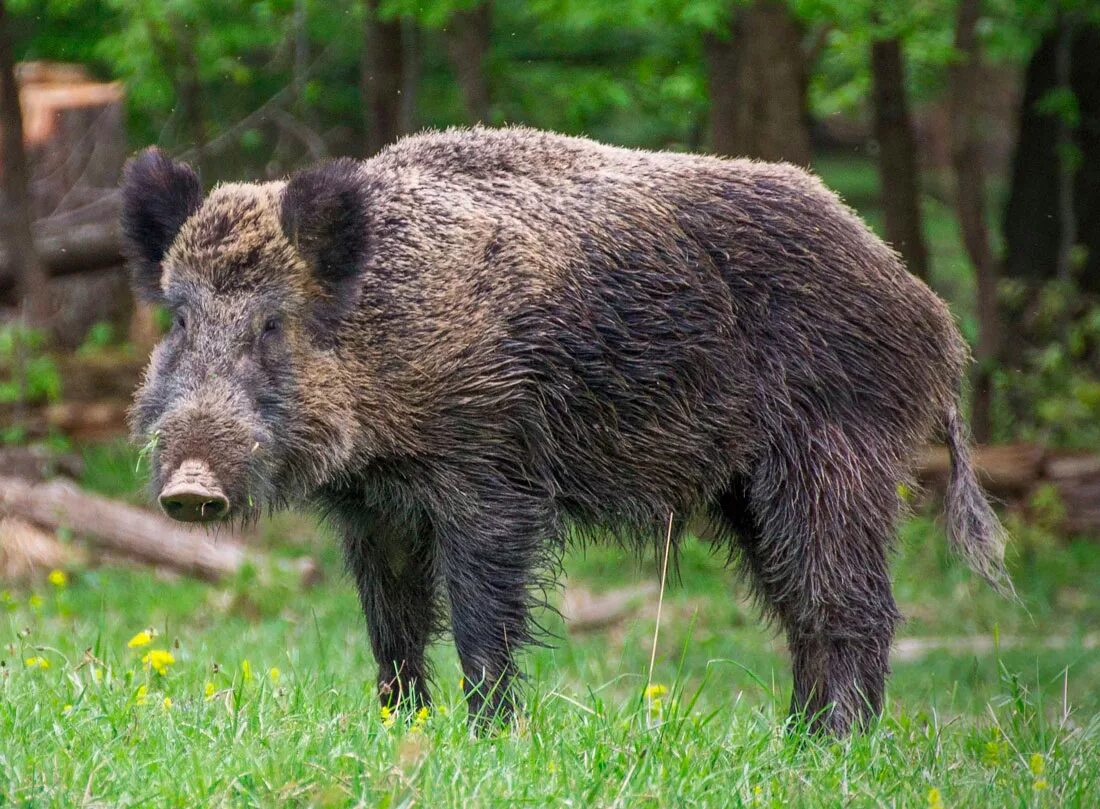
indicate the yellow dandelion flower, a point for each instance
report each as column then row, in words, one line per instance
column 142, row 638
column 388, row 716
column 1037, row 764
column 656, row 690
column 273, row 674
column 58, row 578
column 1040, row 784
column 35, row 601
column 158, row 660
column 67, row 709
column 421, row 718
column 37, row 662
column 97, row 674
column 141, row 696
column 208, row 691
column 935, row 800
column 167, row 703
column 246, row 670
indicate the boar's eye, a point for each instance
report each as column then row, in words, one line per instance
column 273, row 326
column 179, row 321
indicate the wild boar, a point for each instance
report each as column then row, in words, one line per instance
column 479, row 338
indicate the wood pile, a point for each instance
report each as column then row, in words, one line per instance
column 75, row 143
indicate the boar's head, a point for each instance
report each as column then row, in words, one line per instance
column 245, row 403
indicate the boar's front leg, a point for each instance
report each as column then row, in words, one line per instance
column 392, row 560
column 493, row 547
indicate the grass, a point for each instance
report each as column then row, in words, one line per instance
column 1009, row 724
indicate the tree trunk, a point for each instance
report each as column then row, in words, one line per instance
column 468, row 38
column 897, row 155
column 758, row 84
column 1065, row 149
column 15, row 198
column 966, row 137
column 1037, row 233
column 410, row 74
column 381, row 78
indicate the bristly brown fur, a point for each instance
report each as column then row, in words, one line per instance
column 487, row 335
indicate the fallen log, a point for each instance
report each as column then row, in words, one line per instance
column 122, row 529
column 83, row 421
column 26, row 548
column 584, row 611
column 1013, row 473
column 65, row 251
column 1006, row 470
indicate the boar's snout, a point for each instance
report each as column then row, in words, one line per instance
column 193, row 494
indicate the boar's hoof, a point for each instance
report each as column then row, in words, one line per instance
column 193, row 494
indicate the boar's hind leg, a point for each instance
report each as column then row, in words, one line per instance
column 392, row 562
column 493, row 556
column 815, row 527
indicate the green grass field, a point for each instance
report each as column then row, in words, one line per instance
column 268, row 696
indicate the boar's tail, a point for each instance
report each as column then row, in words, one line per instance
column 972, row 527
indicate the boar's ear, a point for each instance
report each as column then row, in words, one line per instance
column 158, row 195
column 324, row 215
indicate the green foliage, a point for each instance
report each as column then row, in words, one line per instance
column 100, row 336
column 31, row 375
column 1054, row 395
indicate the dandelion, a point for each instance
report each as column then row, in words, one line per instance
column 656, row 691
column 653, row 694
column 158, row 660
column 167, row 703
column 37, row 662
column 246, row 670
column 142, row 638
column 35, row 601
column 388, row 716
column 421, row 718
column 58, row 578
column 935, row 800
column 273, row 674
column 68, row 709
column 141, row 696
column 208, row 691
column 97, row 674
column 1038, row 766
